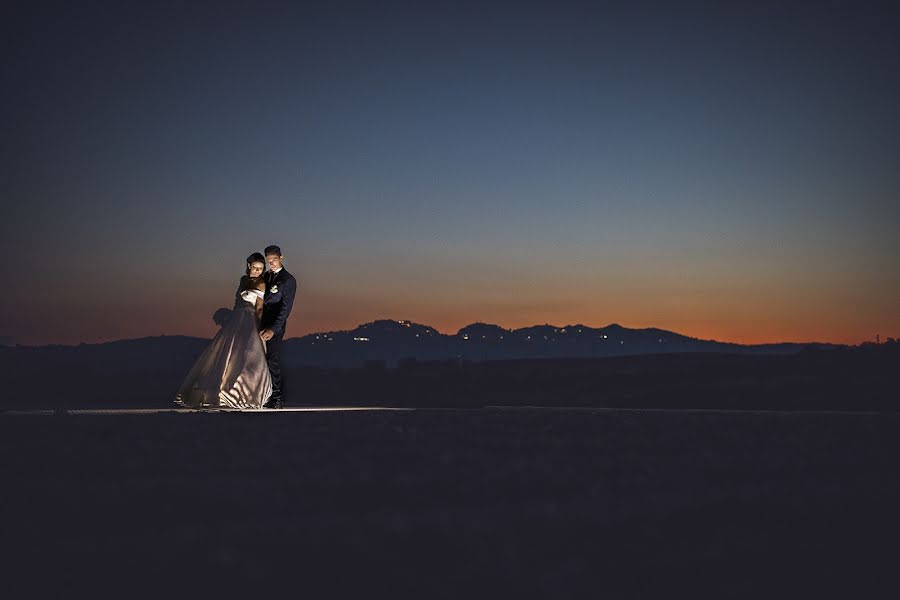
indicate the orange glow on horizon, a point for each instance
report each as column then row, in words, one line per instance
column 743, row 314
column 739, row 333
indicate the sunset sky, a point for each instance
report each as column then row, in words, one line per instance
column 722, row 172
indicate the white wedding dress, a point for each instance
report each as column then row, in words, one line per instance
column 232, row 371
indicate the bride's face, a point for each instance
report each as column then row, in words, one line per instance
column 256, row 269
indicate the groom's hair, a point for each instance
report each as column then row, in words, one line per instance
column 255, row 257
column 272, row 250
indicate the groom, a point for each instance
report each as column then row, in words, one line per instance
column 281, row 287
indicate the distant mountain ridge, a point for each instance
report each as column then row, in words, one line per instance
column 394, row 340
column 389, row 341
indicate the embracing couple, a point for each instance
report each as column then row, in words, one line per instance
column 241, row 366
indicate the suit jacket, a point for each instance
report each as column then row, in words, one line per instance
column 278, row 301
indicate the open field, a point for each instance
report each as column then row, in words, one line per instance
column 442, row 503
column 147, row 374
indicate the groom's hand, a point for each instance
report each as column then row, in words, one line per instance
column 266, row 335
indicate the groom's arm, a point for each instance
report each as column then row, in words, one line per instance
column 290, row 290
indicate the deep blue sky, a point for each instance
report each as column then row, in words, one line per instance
column 720, row 170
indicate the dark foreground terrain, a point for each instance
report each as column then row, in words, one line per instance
column 148, row 373
column 500, row 503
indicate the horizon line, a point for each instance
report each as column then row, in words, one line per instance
column 126, row 339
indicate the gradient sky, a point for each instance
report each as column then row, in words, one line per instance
column 723, row 172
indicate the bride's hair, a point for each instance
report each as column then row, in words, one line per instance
column 255, row 257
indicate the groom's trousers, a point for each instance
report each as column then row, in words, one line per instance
column 273, row 357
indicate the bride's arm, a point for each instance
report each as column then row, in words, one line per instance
column 261, row 291
column 241, row 286
column 254, row 294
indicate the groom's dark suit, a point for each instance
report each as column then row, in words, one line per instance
column 281, row 287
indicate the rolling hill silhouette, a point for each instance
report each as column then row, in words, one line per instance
column 393, row 341
column 402, row 363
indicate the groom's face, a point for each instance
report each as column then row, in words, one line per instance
column 274, row 261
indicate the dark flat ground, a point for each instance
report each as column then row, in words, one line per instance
column 455, row 503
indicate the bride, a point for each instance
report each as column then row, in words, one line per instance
column 232, row 371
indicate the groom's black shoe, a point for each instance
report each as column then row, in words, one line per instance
column 274, row 404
